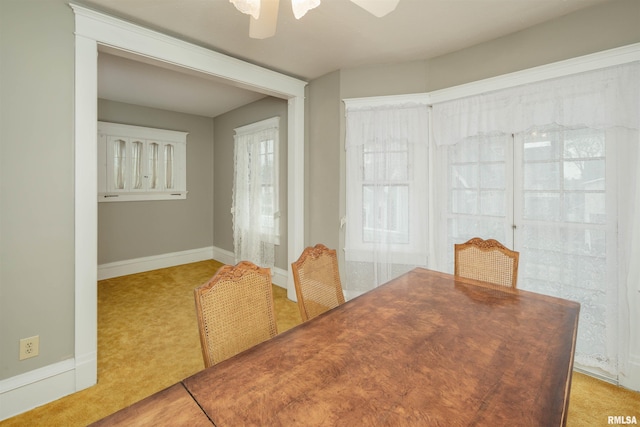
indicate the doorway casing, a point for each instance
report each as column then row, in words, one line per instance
column 94, row 29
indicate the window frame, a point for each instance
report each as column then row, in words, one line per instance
column 109, row 175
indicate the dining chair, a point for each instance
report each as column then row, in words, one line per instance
column 486, row 260
column 235, row 311
column 317, row 281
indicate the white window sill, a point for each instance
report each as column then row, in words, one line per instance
column 114, row 197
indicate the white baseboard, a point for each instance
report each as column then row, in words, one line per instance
column 139, row 265
column 36, row 388
column 224, row 256
column 280, row 277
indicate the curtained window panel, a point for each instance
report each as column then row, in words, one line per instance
column 386, row 187
column 255, row 207
column 547, row 168
column 563, row 194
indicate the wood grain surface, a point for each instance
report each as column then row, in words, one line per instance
column 424, row 349
column 170, row 407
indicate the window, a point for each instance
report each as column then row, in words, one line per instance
column 567, row 229
column 478, row 171
column 549, row 168
column 569, row 176
column 550, row 199
column 137, row 163
column 385, row 193
column 564, row 176
column 256, row 205
column 269, row 211
column 387, row 179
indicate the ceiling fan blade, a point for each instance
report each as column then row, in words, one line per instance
column 378, row 8
column 265, row 26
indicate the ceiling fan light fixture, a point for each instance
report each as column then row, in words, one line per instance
column 301, row 7
column 265, row 26
column 250, row 7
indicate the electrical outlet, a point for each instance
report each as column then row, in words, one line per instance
column 29, row 347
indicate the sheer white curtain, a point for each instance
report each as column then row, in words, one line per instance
column 254, row 209
column 386, row 196
column 575, row 208
column 599, row 99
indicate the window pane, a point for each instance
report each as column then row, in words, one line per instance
column 267, row 191
column 267, row 207
column 542, row 176
column 119, row 163
column 576, row 177
column 542, row 206
column 585, row 208
column 539, row 146
column 267, row 162
column 563, row 257
column 168, row 166
column 584, row 174
column 492, row 203
column 583, row 143
column 386, row 162
column 492, row 176
column 464, row 202
column 136, row 164
column 153, row 165
column 464, row 176
column 385, row 213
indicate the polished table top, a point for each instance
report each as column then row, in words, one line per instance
column 172, row 406
column 425, row 349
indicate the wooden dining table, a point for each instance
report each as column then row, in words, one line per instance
column 425, row 349
column 172, row 406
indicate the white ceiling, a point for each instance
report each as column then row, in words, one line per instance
column 336, row 35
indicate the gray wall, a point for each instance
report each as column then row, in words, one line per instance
column 129, row 230
column 322, row 162
column 223, row 170
column 36, row 182
column 36, row 148
column 605, row 26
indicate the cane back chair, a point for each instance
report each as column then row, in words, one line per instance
column 235, row 311
column 487, row 260
column 317, row 281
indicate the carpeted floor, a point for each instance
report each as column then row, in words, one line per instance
column 148, row 340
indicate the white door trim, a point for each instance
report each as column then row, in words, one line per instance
column 94, row 29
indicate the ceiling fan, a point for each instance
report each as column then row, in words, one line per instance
column 264, row 13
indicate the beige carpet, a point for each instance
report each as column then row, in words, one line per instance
column 148, row 340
